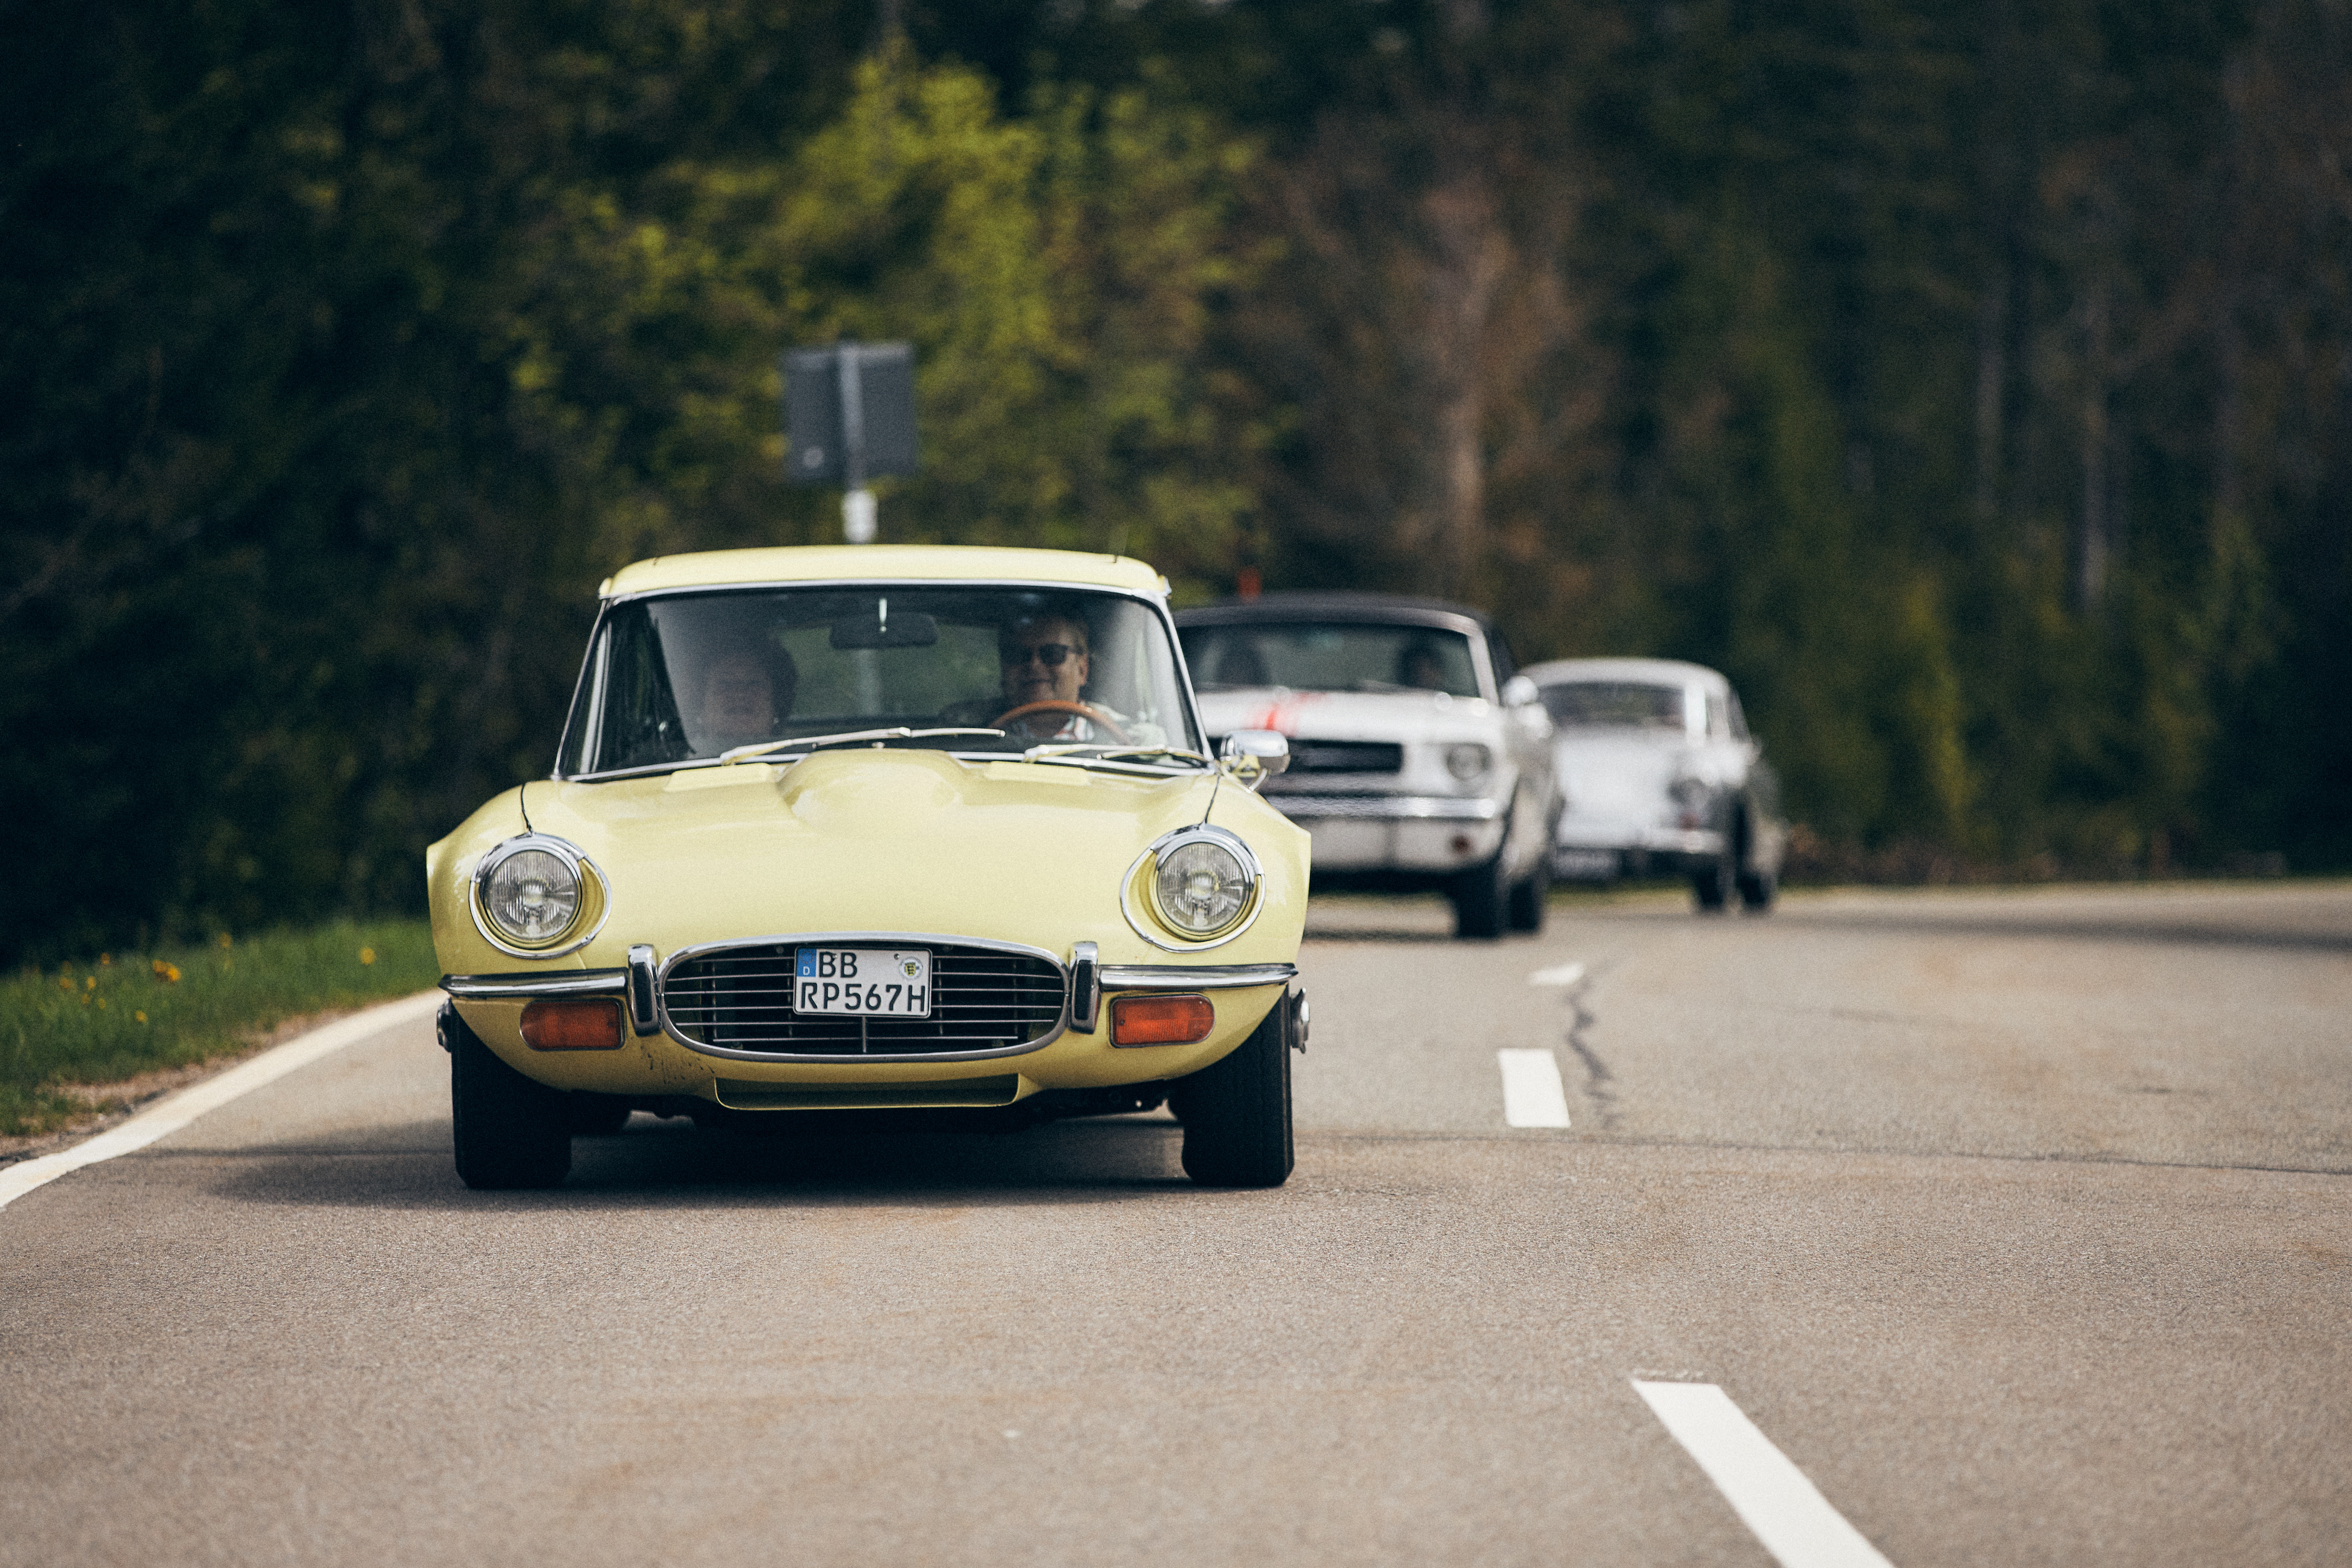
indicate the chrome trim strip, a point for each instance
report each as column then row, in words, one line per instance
column 505, row 987
column 850, row 938
column 1194, row 977
column 1160, row 936
column 644, row 992
column 1086, row 986
column 563, row 849
column 1386, row 808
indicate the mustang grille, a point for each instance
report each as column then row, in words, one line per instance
column 1311, row 756
column 741, row 999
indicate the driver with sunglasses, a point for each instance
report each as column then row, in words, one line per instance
column 1045, row 665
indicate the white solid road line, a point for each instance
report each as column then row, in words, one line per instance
column 1559, row 974
column 168, row 1115
column 1532, row 1096
column 1771, row 1496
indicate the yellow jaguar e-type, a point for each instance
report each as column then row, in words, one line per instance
column 841, row 837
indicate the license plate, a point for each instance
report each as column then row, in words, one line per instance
column 1584, row 863
column 882, row 982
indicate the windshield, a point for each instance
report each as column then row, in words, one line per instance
column 1323, row 656
column 1620, row 704
column 692, row 677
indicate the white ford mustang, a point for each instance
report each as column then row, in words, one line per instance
column 1418, row 759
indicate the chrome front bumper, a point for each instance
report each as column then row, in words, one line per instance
column 1087, row 980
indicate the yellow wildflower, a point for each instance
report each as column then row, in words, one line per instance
column 225, row 941
column 367, row 955
column 141, row 1016
column 105, row 959
column 102, row 1001
column 89, row 981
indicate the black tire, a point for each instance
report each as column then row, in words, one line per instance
column 1531, row 897
column 594, row 1115
column 510, row 1131
column 1757, row 892
column 1711, row 884
column 1480, row 901
column 1237, row 1111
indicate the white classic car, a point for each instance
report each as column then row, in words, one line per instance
column 1417, row 761
column 1659, row 775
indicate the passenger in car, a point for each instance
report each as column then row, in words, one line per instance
column 745, row 697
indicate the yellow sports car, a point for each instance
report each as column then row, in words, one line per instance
column 856, row 836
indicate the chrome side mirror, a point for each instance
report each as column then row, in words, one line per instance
column 1254, row 756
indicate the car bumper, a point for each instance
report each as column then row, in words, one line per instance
column 1600, row 850
column 1076, row 1053
column 1437, row 834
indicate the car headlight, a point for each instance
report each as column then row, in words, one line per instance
column 1198, row 884
column 1199, row 888
column 1468, row 762
column 536, row 897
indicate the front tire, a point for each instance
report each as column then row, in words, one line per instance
column 1757, row 892
column 1480, row 901
column 510, row 1131
column 1711, row 884
column 1529, row 899
column 1236, row 1111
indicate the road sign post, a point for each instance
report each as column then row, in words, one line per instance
column 849, row 416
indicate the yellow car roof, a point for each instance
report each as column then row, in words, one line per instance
column 882, row 562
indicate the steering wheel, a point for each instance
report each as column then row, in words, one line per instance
column 1093, row 715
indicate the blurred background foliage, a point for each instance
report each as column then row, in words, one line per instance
column 1970, row 382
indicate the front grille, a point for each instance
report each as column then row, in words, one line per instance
column 741, row 999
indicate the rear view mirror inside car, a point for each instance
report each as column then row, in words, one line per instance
column 909, row 628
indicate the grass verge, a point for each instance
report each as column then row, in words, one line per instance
column 123, row 1014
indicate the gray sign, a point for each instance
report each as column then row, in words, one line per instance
column 849, row 412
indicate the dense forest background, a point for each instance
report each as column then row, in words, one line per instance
column 1968, row 381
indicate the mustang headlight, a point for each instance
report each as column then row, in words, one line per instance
column 536, row 897
column 1467, row 760
column 1201, row 885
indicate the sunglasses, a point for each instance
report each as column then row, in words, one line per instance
column 1052, row 655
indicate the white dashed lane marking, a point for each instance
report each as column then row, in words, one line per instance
column 1559, row 974
column 1771, row 1496
column 1532, row 1095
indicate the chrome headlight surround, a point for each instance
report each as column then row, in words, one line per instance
column 1139, row 898
column 594, row 897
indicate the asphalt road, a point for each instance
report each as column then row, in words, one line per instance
column 2021, row 1223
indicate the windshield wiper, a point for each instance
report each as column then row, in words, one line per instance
column 846, row 737
column 1096, row 750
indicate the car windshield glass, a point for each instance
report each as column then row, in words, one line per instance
column 1621, row 704
column 690, row 677
column 1331, row 656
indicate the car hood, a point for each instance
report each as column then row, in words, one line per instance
column 1351, row 715
column 866, row 840
column 1610, row 774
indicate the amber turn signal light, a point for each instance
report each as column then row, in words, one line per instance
column 1160, row 1020
column 583, row 1025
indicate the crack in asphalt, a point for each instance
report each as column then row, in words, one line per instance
column 1597, row 1076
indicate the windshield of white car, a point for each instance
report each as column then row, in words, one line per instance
column 686, row 679
column 1615, row 704
column 1331, row 656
